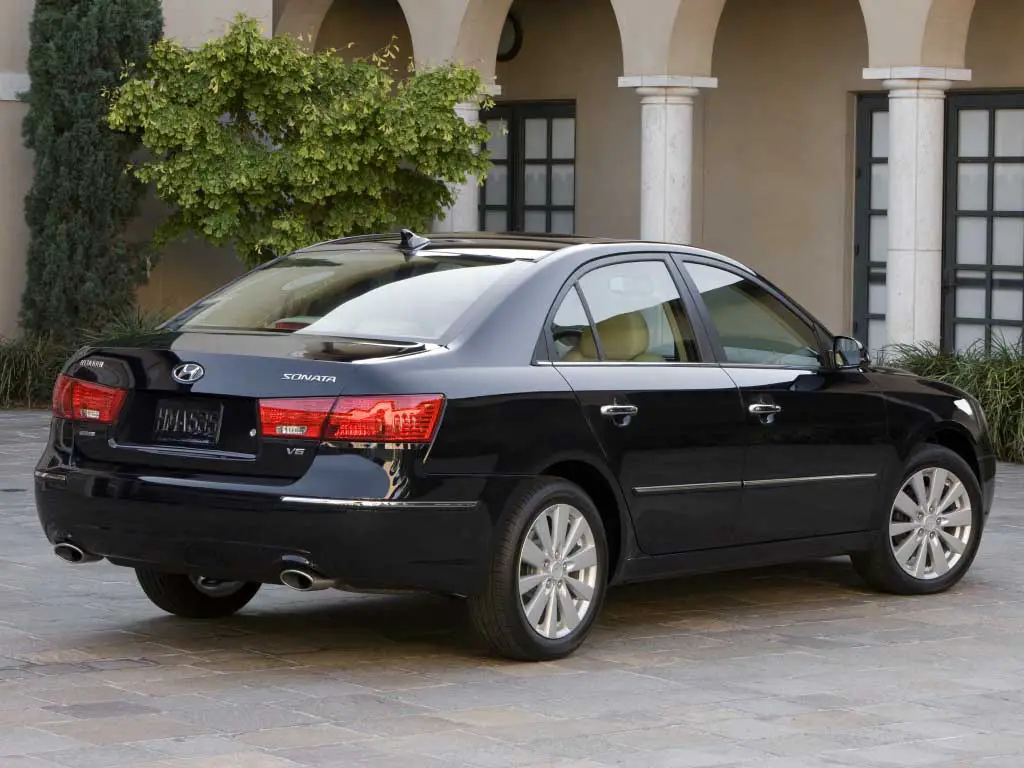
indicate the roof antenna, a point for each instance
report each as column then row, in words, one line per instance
column 411, row 241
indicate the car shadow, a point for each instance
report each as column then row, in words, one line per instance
column 337, row 629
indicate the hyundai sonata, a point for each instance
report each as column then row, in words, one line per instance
column 518, row 420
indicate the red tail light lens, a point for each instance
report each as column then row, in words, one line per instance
column 394, row 419
column 390, row 419
column 297, row 417
column 85, row 401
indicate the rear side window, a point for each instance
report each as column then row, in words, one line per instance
column 638, row 317
column 376, row 293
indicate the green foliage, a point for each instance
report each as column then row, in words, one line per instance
column 29, row 366
column 81, row 269
column 259, row 144
column 995, row 378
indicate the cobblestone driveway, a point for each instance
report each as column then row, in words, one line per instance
column 777, row 668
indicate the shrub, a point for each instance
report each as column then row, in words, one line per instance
column 995, row 378
column 81, row 268
column 29, row 366
column 258, row 144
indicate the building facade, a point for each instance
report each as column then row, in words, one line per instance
column 866, row 155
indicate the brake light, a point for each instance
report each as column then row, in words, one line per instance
column 379, row 419
column 295, row 417
column 393, row 419
column 86, row 401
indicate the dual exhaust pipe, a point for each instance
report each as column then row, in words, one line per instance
column 299, row 579
column 306, row 580
column 75, row 555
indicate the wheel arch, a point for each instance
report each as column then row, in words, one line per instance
column 606, row 495
column 957, row 439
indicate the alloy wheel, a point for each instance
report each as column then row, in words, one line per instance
column 216, row 587
column 930, row 525
column 558, row 571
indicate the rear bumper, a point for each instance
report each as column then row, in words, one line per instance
column 231, row 531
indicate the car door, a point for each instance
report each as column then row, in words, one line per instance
column 816, row 435
column 670, row 424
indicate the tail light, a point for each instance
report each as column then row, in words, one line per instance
column 379, row 419
column 85, row 401
column 298, row 417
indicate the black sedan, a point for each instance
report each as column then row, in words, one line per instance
column 521, row 421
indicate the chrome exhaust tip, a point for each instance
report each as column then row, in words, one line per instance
column 69, row 553
column 305, row 581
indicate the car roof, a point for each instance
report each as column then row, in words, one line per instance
column 512, row 245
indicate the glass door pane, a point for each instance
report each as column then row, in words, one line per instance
column 871, row 248
column 984, row 255
column 539, row 158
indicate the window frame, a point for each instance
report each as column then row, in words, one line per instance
column 515, row 114
column 686, row 298
column 989, row 101
column 824, row 338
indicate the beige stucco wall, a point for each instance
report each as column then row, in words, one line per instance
column 778, row 149
column 360, row 28
column 15, row 166
column 995, row 45
column 191, row 22
column 16, row 176
column 572, row 50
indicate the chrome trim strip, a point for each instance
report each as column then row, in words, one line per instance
column 805, row 480
column 176, row 450
column 51, row 476
column 379, row 503
column 654, row 490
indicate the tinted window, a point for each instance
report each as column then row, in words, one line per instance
column 638, row 314
column 369, row 292
column 569, row 325
column 753, row 325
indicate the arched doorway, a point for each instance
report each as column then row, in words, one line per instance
column 361, row 28
column 776, row 149
column 569, row 161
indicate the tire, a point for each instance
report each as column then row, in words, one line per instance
column 179, row 595
column 897, row 530
column 499, row 613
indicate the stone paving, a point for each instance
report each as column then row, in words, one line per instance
column 777, row 668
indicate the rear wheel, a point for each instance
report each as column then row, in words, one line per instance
column 931, row 530
column 195, row 597
column 548, row 574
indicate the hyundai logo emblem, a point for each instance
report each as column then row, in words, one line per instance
column 188, row 373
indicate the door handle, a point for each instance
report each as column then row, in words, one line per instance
column 764, row 409
column 617, row 411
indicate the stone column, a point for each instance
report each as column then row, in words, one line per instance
column 917, row 119
column 666, row 154
column 464, row 215
column 917, row 124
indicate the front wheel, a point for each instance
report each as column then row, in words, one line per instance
column 931, row 530
column 195, row 597
column 548, row 574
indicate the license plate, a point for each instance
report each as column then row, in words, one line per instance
column 187, row 423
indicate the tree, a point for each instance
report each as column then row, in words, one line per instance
column 257, row 143
column 81, row 269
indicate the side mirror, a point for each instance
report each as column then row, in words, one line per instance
column 849, row 353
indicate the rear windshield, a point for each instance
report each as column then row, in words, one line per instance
column 368, row 293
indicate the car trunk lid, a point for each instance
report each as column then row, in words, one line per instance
column 193, row 400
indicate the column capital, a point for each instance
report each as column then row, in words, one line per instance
column 667, row 95
column 917, row 89
column 667, row 81
column 917, row 73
